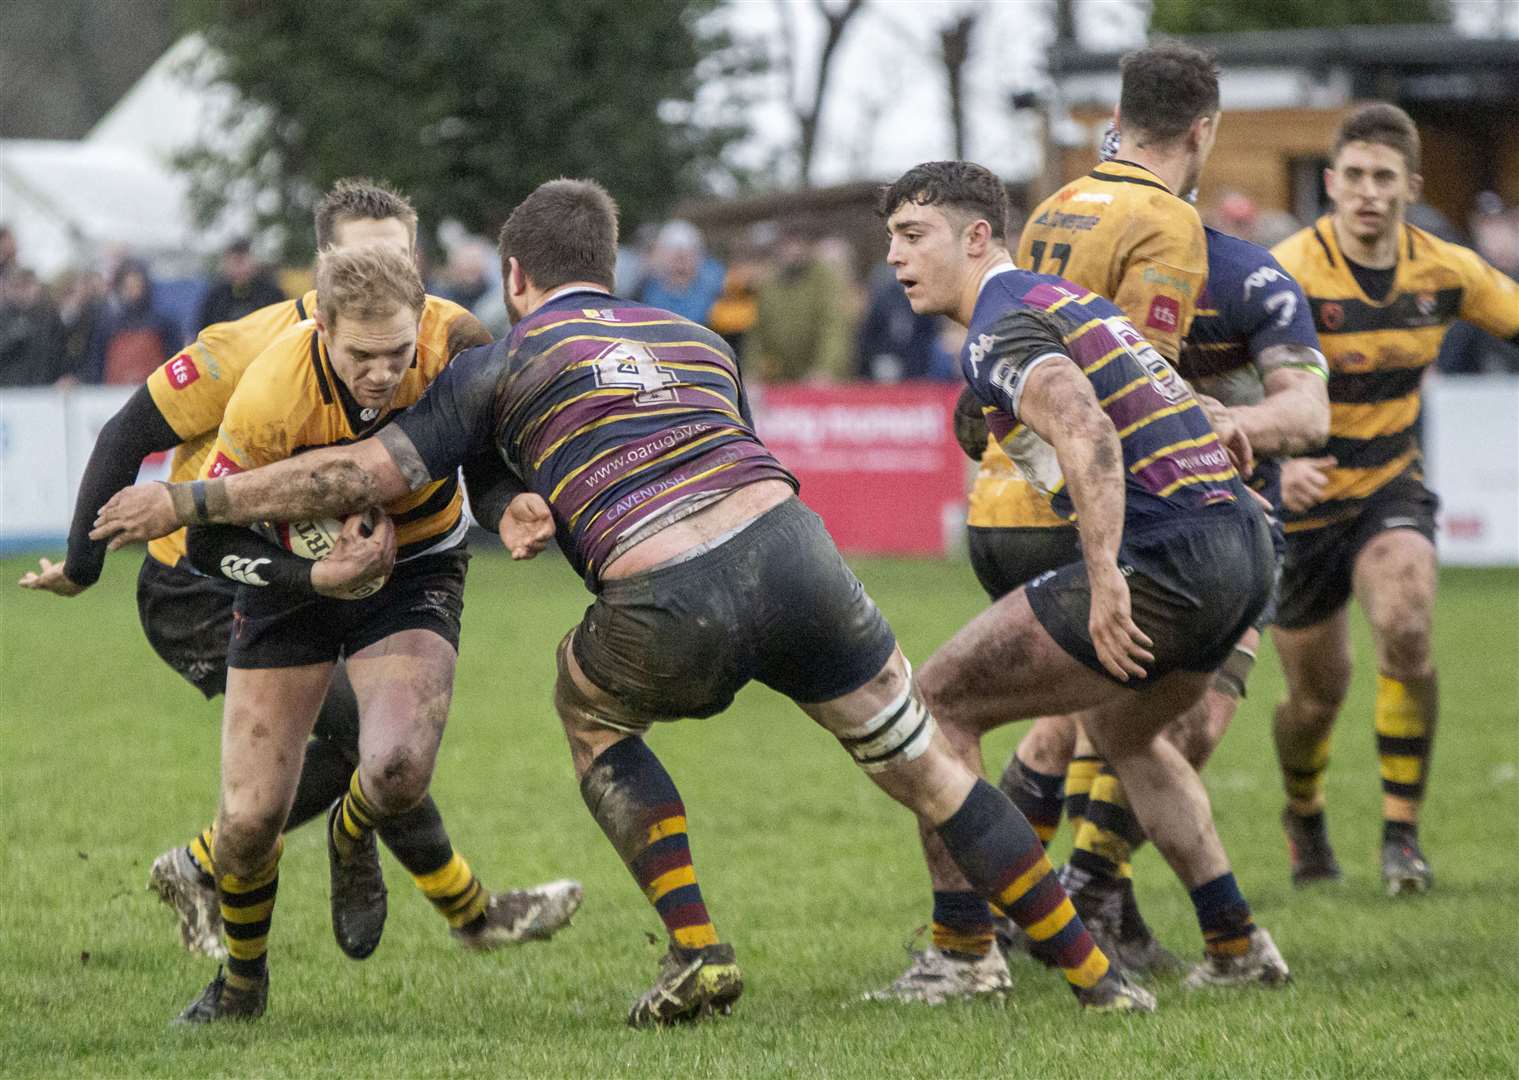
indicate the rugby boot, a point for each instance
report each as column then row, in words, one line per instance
column 1260, row 964
column 693, row 984
column 522, row 915
column 219, row 1001
column 934, row 977
column 1138, row 949
column 1308, row 849
column 1115, row 992
column 1099, row 902
column 358, row 893
column 191, row 892
column 1404, row 868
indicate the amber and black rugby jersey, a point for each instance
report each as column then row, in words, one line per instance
column 614, row 412
column 290, row 399
column 1120, row 232
column 1378, row 350
column 192, row 389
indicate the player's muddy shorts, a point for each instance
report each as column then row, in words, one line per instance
column 273, row 629
column 1195, row 585
column 774, row 602
column 187, row 618
column 1320, row 563
column 1005, row 558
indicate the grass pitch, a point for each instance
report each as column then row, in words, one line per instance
column 108, row 759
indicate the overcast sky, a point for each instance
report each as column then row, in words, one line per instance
column 887, row 106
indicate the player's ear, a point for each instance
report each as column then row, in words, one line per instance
column 1415, row 186
column 977, row 238
column 516, row 280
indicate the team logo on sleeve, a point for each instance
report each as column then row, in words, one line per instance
column 181, row 371
column 222, row 465
column 1165, row 314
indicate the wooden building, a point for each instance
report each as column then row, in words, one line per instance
column 1285, row 92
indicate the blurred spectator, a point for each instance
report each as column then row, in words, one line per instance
column 7, row 250
column 82, row 310
column 1495, row 236
column 680, row 276
column 801, row 330
column 894, row 343
column 31, row 337
column 633, row 260
column 734, row 311
column 135, row 337
column 244, row 286
column 1235, row 213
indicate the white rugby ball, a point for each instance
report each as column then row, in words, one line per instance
column 315, row 540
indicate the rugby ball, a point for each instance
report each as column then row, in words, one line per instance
column 315, row 540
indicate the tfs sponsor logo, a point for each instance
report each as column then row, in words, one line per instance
column 1165, row 314
column 181, row 371
column 222, row 465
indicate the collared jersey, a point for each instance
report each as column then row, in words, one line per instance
column 617, row 414
column 1378, row 350
column 1174, row 462
column 1248, row 305
column 192, row 389
column 290, row 399
column 1120, row 232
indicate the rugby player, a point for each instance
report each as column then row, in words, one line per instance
column 1361, row 521
column 1126, row 232
column 187, row 616
column 1076, row 395
column 628, row 430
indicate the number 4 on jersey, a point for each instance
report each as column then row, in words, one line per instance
column 629, row 365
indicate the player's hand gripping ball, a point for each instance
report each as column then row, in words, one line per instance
column 354, row 556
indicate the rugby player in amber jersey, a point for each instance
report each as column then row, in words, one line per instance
column 1176, row 559
column 1361, row 521
column 187, row 616
column 628, row 430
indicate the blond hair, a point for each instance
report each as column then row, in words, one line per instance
column 357, row 198
column 367, row 283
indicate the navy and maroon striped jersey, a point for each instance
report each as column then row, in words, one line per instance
column 615, row 413
column 1175, row 463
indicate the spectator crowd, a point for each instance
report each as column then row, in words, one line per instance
column 789, row 298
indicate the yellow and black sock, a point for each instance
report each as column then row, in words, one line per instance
column 247, row 905
column 1079, row 776
column 356, row 818
column 962, row 924
column 635, row 802
column 1004, row 861
column 1405, row 725
column 1110, row 832
column 1038, row 797
column 1303, row 760
column 200, row 854
column 419, row 841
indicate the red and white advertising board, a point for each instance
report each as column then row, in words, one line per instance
column 879, row 464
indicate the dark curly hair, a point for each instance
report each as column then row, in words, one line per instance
column 963, row 187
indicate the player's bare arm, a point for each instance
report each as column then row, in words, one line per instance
column 329, row 482
column 1059, row 406
column 1294, row 417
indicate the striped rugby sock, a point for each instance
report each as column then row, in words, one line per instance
column 635, row 802
column 1405, row 726
column 1079, row 777
column 1038, row 796
column 1000, row 856
column 962, row 924
column 247, row 905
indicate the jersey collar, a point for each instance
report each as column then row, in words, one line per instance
column 1001, row 268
